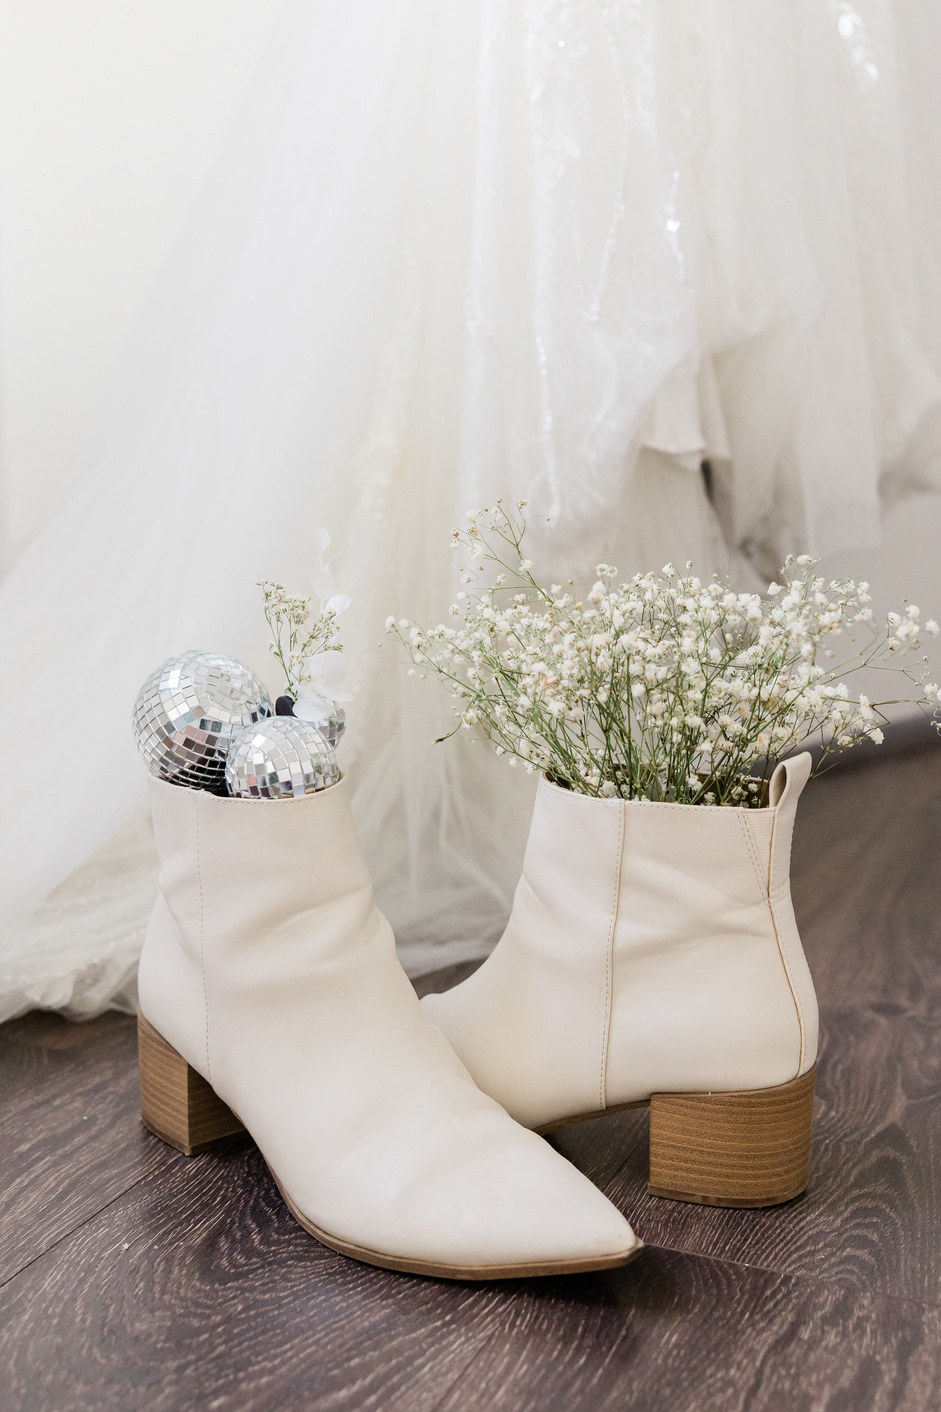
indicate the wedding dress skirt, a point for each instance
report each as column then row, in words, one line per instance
column 563, row 252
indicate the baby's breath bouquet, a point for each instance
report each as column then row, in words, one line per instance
column 296, row 638
column 306, row 643
column 663, row 687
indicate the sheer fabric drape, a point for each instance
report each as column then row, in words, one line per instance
column 561, row 252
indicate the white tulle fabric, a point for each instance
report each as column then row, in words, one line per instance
column 562, row 251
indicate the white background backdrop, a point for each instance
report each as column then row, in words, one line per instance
column 110, row 114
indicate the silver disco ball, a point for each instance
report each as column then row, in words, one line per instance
column 333, row 727
column 189, row 711
column 280, row 758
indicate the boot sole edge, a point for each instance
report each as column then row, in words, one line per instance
column 729, row 1203
column 471, row 1273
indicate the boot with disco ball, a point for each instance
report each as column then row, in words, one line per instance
column 206, row 722
column 272, row 1002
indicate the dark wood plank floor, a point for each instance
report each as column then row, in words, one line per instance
column 134, row 1278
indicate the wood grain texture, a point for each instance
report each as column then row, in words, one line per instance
column 141, row 1279
column 871, row 1217
column 70, row 1139
column 176, row 1103
column 686, row 1334
column 867, row 884
column 732, row 1149
column 199, row 1289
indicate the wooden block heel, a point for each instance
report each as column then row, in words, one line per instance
column 176, row 1103
column 732, row 1149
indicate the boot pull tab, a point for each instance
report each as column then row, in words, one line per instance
column 789, row 779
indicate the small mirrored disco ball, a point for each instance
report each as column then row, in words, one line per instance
column 280, row 758
column 331, row 726
column 334, row 726
column 189, row 711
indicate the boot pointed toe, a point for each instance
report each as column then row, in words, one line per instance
column 495, row 1208
column 274, row 1002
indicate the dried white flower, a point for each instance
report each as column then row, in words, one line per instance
column 307, row 645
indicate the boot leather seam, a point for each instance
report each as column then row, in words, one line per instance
column 202, row 951
column 609, row 959
column 793, row 989
column 763, row 882
column 782, row 950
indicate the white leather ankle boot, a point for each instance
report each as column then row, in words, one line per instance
column 270, row 990
column 652, row 957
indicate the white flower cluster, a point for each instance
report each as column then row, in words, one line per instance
column 300, row 643
column 664, row 687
